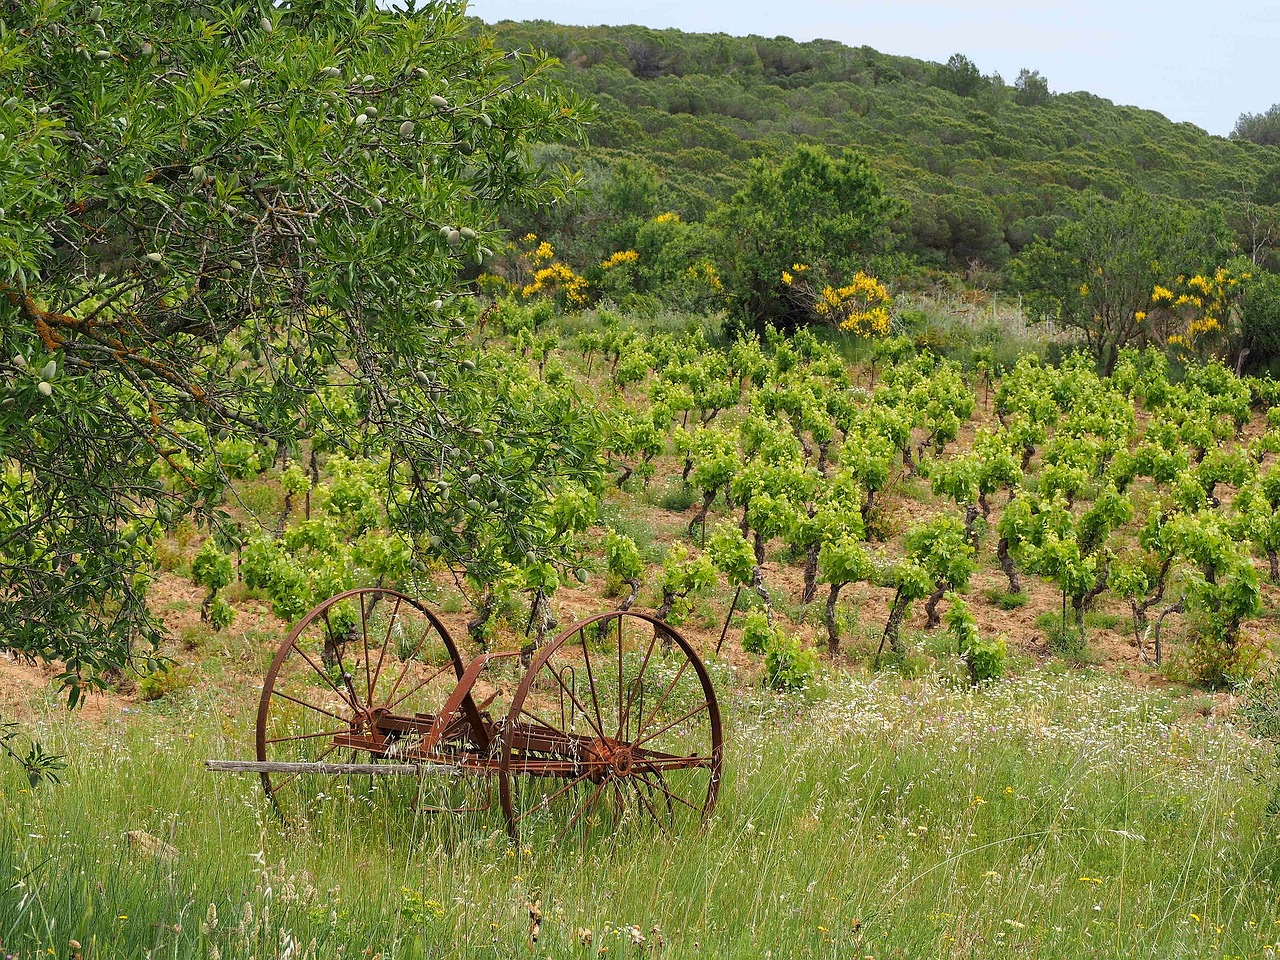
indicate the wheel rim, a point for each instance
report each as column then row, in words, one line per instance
column 349, row 663
column 615, row 721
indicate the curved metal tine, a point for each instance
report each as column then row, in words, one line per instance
column 565, row 723
column 586, row 804
column 643, row 799
column 543, row 803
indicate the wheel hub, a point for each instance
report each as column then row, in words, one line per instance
column 606, row 757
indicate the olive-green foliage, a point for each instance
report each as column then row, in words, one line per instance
column 986, row 173
column 1097, row 271
column 810, row 209
column 195, row 195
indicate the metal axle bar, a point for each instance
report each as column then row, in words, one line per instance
column 377, row 769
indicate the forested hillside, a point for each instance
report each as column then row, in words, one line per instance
column 985, row 166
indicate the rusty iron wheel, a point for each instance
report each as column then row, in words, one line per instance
column 615, row 721
column 353, row 662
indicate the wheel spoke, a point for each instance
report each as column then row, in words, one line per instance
column 679, row 720
column 308, row 736
column 338, row 644
column 395, row 703
column 364, row 638
column 624, row 715
column 332, row 686
column 635, row 785
column 312, row 706
column 574, row 700
column 591, row 683
column 662, row 701
column 679, row 799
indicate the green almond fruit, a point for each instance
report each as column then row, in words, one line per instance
column 266, row 24
column 11, row 103
column 468, row 364
column 46, row 389
column 467, row 233
column 486, row 446
column 49, row 370
column 406, row 128
column 581, row 574
column 439, row 101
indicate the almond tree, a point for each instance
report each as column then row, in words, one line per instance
column 212, row 211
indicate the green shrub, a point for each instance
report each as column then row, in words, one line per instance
column 788, row 664
column 1006, row 600
column 221, row 613
column 756, row 632
column 168, row 679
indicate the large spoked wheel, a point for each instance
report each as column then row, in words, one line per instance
column 615, row 721
column 350, row 685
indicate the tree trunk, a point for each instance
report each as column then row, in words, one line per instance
column 1007, row 565
column 833, row 634
column 757, row 544
column 970, row 518
column 758, row 585
column 707, row 497
column 824, row 450
column 668, row 601
column 810, row 573
column 893, row 625
column 1274, row 559
column 931, row 607
column 1172, row 608
column 634, row 584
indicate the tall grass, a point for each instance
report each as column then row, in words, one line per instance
column 1046, row 816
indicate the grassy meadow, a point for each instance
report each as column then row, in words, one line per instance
column 1054, row 814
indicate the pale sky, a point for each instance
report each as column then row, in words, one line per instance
column 1201, row 62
